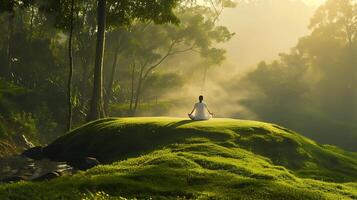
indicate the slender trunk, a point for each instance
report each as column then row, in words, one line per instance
column 132, row 88
column 348, row 35
column 31, row 20
column 138, row 92
column 85, row 77
column 70, row 75
column 203, row 88
column 96, row 106
column 83, row 88
column 111, row 82
column 9, row 45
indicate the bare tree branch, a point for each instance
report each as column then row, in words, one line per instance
column 143, row 66
column 215, row 9
column 168, row 54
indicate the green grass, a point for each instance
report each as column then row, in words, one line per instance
column 176, row 158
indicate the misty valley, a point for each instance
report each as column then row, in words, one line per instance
column 178, row 99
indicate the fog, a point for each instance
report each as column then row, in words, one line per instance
column 287, row 62
column 264, row 29
column 291, row 91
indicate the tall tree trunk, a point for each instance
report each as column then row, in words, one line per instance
column 203, row 87
column 138, row 92
column 84, row 81
column 70, row 75
column 83, row 87
column 10, row 28
column 96, row 106
column 132, row 89
column 111, row 81
column 32, row 20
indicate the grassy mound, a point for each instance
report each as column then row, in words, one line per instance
column 178, row 159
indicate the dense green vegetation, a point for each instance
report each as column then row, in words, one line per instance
column 19, row 117
column 65, row 63
column 40, row 101
column 312, row 89
column 121, row 67
column 176, row 158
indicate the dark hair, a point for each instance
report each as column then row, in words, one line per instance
column 200, row 98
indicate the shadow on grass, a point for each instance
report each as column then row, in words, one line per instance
column 180, row 123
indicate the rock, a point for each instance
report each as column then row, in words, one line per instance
column 35, row 153
column 48, row 176
column 85, row 163
column 13, row 179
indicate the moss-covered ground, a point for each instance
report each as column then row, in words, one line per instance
column 174, row 158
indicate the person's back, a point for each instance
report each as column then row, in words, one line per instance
column 201, row 111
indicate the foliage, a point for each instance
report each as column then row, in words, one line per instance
column 15, row 118
column 22, row 114
column 10, row 95
column 26, row 122
column 197, row 32
column 311, row 89
column 38, row 57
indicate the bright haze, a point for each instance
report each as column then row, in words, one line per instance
column 265, row 28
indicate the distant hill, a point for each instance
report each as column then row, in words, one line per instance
column 174, row 158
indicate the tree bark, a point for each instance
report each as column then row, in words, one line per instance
column 70, row 75
column 9, row 55
column 96, row 106
column 203, row 87
column 138, row 91
column 84, row 82
column 31, row 20
column 111, row 81
column 132, row 88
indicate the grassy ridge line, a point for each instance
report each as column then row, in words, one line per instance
column 173, row 158
column 119, row 138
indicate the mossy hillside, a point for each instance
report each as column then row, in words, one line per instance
column 116, row 139
column 180, row 159
column 197, row 169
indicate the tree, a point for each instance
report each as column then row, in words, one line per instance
column 123, row 13
column 9, row 7
column 118, row 38
column 197, row 32
column 332, row 48
column 338, row 17
column 313, row 88
column 70, row 75
column 64, row 13
column 213, row 56
column 85, row 35
column 96, row 105
column 277, row 91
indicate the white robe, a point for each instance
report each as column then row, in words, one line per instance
column 201, row 112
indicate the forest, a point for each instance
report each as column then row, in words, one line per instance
column 73, row 69
column 50, row 78
column 59, row 73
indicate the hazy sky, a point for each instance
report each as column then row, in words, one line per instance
column 265, row 29
column 314, row 2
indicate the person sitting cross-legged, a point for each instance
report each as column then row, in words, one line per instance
column 201, row 111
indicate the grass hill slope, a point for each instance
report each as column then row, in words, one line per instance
column 176, row 158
